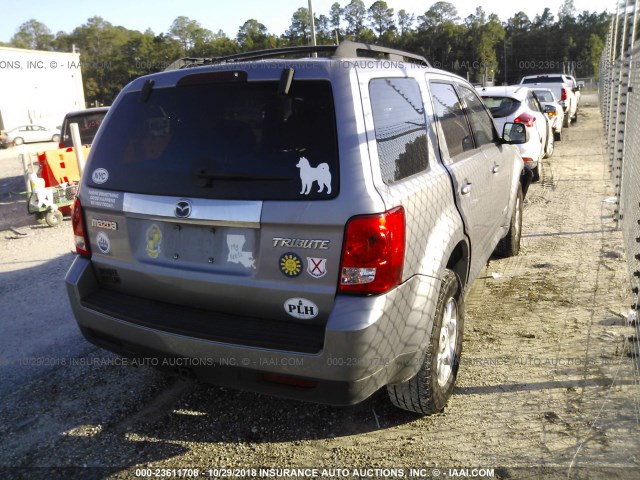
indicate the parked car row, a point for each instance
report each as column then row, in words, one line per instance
column 535, row 102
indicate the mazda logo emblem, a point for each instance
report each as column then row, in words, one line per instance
column 183, row 209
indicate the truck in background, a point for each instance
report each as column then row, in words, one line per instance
column 564, row 87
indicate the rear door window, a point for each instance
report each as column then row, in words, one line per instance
column 400, row 127
column 452, row 119
column 238, row 140
column 481, row 122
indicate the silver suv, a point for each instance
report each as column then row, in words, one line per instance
column 299, row 227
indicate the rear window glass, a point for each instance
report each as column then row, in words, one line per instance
column 223, row 141
column 543, row 80
column 400, row 127
column 544, row 96
column 87, row 125
column 501, row 107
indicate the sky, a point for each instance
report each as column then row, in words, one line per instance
column 229, row 15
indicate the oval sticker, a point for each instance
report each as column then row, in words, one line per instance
column 301, row 308
column 99, row 175
column 104, row 245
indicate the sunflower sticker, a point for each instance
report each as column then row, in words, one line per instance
column 153, row 238
column 290, row 265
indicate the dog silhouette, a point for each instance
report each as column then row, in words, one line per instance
column 308, row 175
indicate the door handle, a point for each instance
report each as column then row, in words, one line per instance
column 466, row 189
column 495, row 169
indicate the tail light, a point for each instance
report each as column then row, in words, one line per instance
column 61, row 145
column 525, row 118
column 373, row 253
column 80, row 231
column 564, row 94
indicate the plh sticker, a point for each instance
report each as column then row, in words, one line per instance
column 154, row 240
column 308, row 175
column 301, row 308
column 317, row 267
column 104, row 245
column 236, row 254
column 290, row 264
column 100, row 176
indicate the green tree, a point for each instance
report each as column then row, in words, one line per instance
column 335, row 18
column 253, row 35
column 325, row 34
column 439, row 13
column 299, row 31
column 405, row 21
column 191, row 35
column 33, row 35
column 381, row 18
column 355, row 14
column 519, row 22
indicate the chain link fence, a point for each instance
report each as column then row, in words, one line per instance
column 619, row 91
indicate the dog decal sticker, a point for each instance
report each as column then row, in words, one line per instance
column 308, row 175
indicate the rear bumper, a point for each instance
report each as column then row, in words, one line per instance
column 368, row 342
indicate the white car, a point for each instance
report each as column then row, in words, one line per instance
column 31, row 133
column 519, row 104
column 553, row 109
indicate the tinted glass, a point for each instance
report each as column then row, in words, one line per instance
column 452, row 118
column 481, row 122
column 533, row 103
column 544, row 79
column 224, row 141
column 544, row 96
column 501, row 107
column 400, row 127
column 88, row 124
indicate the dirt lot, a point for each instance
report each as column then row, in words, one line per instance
column 547, row 388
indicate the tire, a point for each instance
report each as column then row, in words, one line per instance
column 557, row 136
column 566, row 122
column 575, row 117
column 428, row 391
column 53, row 219
column 550, row 147
column 18, row 141
column 536, row 174
column 55, row 138
column 509, row 246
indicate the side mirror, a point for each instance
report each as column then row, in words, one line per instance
column 515, row 133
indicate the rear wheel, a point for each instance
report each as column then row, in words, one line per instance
column 428, row 391
column 566, row 123
column 557, row 136
column 55, row 138
column 536, row 173
column 509, row 246
column 18, row 141
column 550, row 146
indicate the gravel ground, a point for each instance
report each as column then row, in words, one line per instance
column 548, row 387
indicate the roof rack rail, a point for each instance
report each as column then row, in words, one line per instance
column 346, row 49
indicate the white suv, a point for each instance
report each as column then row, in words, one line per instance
column 519, row 104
